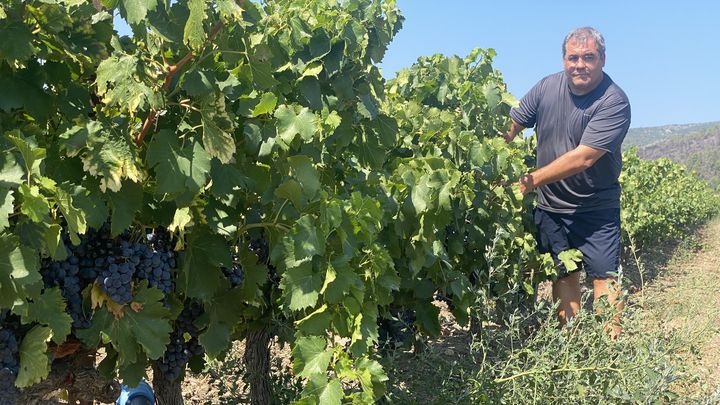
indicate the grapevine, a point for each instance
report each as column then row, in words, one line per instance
column 240, row 169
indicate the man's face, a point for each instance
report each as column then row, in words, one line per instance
column 583, row 65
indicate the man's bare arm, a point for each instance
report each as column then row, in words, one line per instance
column 570, row 163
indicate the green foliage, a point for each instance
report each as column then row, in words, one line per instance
column 662, row 200
column 452, row 182
column 225, row 122
column 252, row 116
column 34, row 361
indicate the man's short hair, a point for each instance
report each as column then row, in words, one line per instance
column 582, row 35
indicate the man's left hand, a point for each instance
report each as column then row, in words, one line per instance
column 526, row 184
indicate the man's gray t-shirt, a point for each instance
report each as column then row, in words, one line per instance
column 562, row 121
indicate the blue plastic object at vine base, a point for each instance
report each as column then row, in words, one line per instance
column 140, row 395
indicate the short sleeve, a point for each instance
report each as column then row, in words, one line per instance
column 526, row 113
column 608, row 126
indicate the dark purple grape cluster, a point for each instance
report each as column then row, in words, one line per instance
column 156, row 262
column 95, row 251
column 234, row 274
column 259, row 245
column 84, row 263
column 114, row 262
column 183, row 343
column 116, row 280
column 66, row 276
column 261, row 248
column 9, row 366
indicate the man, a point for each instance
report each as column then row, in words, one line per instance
column 581, row 117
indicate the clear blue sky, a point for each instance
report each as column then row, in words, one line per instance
column 664, row 54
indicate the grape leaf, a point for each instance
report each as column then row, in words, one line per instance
column 256, row 275
column 10, row 171
column 19, row 272
column 371, row 375
column 194, row 34
column 134, row 11
column 92, row 205
column 303, row 242
column 32, row 155
column 49, row 309
column 33, row 204
column 332, row 393
column 105, row 153
column 124, row 206
column 340, row 281
column 365, row 331
column 301, row 286
column 311, row 356
column 427, row 318
column 223, row 314
column 262, row 74
column 150, row 325
column 302, row 169
column 321, row 391
column 53, row 241
column 226, row 180
column 34, row 361
column 74, row 217
column 133, row 373
column 292, row 190
column 126, row 90
column 6, row 207
column 230, row 10
column 570, row 258
column 18, row 45
column 200, row 276
column 142, row 328
column 291, row 123
column 197, row 83
column 217, row 128
column 316, row 323
column 178, row 168
column 265, row 105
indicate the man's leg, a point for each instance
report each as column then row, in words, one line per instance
column 567, row 291
column 610, row 288
column 597, row 235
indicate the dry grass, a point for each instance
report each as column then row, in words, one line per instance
column 684, row 301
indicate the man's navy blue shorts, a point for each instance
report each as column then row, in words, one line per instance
column 596, row 234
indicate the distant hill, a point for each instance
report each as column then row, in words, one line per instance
column 649, row 135
column 699, row 151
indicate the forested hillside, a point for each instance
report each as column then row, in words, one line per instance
column 699, row 151
column 648, row 135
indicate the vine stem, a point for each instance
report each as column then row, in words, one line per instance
column 558, row 370
column 171, row 73
column 638, row 263
column 282, row 227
